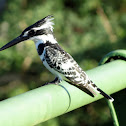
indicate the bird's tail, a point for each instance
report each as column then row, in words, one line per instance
column 92, row 87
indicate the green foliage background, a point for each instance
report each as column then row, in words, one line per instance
column 87, row 29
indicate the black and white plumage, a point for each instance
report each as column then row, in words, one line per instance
column 55, row 59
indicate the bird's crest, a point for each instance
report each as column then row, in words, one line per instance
column 42, row 24
column 45, row 23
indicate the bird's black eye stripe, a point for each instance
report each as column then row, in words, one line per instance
column 31, row 33
column 40, row 32
column 35, row 33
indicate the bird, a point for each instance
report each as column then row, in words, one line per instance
column 54, row 57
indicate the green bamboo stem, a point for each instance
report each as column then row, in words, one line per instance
column 113, row 113
column 117, row 108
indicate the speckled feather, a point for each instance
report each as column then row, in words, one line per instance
column 62, row 62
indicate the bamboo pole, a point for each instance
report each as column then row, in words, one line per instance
column 50, row 101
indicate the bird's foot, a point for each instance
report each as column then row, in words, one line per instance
column 55, row 81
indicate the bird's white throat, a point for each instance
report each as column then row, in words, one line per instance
column 44, row 38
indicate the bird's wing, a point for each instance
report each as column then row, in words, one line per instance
column 62, row 62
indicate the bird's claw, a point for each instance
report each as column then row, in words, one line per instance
column 55, row 81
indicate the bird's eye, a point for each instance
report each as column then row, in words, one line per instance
column 31, row 33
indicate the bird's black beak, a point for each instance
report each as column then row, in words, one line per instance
column 14, row 42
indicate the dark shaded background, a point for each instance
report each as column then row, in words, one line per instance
column 87, row 29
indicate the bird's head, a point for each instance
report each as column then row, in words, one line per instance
column 42, row 30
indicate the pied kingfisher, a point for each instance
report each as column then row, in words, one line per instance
column 55, row 59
